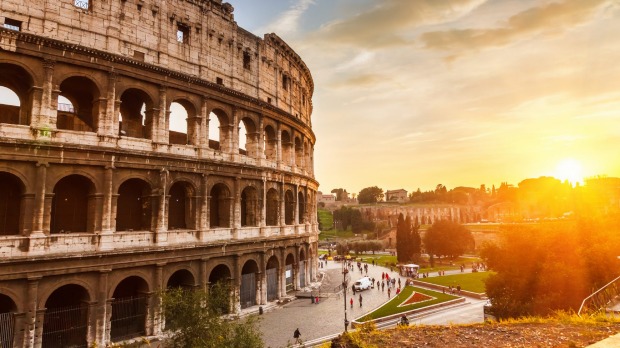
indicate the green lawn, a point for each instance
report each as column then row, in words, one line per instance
column 392, row 307
column 473, row 282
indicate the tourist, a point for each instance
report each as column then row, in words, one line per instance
column 297, row 336
column 351, row 302
column 360, row 299
column 389, row 291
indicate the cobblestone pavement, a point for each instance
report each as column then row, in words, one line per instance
column 326, row 317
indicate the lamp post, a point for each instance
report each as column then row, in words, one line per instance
column 345, row 270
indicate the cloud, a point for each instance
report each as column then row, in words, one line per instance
column 288, row 22
column 387, row 23
column 551, row 19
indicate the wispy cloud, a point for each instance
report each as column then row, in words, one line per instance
column 387, row 23
column 288, row 22
column 551, row 19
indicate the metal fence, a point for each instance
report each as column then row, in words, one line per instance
column 128, row 318
column 248, row 290
column 289, row 278
column 6, row 330
column 272, row 284
column 65, row 327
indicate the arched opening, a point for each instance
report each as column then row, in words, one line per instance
column 248, row 284
column 220, row 276
column 289, row 208
column 302, row 268
column 249, row 207
column 15, row 94
column 272, row 278
column 77, row 105
column 243, row 139
column 289, row 269
column 181, row 111
column 301, row 207
column 219, row 206
column 272, row 208
column 134, row 209
column 181, row 207
column 287, row 145
column 65, row 322
column 181, row 279
column 7, row 321
column 136, row 113
column 129, row 309
column 307, row 163
column 218, row 130
column 11, row 191
column 271, row 143
column 299, row 153
column 72, row 210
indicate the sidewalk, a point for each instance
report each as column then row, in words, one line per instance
column 325, row 318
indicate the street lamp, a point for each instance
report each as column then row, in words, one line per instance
column 345, row 270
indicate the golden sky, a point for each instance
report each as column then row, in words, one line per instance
column 417, row 93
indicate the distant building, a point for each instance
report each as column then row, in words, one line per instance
column 321, row 198
column 399, row 196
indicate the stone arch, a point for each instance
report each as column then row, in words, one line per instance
column 287, row 147
column 82, row 112
column 19, row 81
column 182, row 111
column 134, row 207
column 65, row 322
column 219, row 130
column 307, row 163
column 301, row 207
column 248, row 137
column 290, row 271
column 11, row 193
column 247, row 296
column 7, row 304
column 182, row 278
column 271, row 143
column 136, row 113
column 272, row 210
column 129, row 309
column 220, row 206
column 289, row 208
column 73, row 205
column 181, row 206
column 273, row 282
column 219, row 273
column 250, row 207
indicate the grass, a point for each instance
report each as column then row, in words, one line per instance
column 391, row 307
column 473, row 282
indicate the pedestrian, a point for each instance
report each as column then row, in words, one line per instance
column 382, row 275
column 398, row 290
column 297, row 336
column 399, row 282
column 378, row 285
column 351, row 302
column 353, row 288
column 382, row 286
column 389, row 291
column 360, row 299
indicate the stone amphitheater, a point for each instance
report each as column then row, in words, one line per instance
column 146, row 144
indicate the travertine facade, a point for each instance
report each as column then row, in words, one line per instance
column 102, row 204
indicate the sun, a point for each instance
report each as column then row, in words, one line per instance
column 569, row 169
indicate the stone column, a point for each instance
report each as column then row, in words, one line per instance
column 31, row 311
column 161, row 229
column 282, row 205
column 108, row 123
column 282, row 273
column 261, row 137
column 236, row 285
column 102, row 324
column 203, row 136
column 203, row 276
column 108, row 185
column 262, row 279
column 158, row 317
column 236, row 219
column 296, row 200
column 203, row 201
column 234, row 141
column 39, row 204
column 279, row 144
column 43, row 116
column 38, row 327
column 263, row 209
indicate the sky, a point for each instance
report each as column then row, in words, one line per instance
column 412, row 94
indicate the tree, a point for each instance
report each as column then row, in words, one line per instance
column 370, row 195
column 448, row 238
column 402, row 239
column 357, row 225
column 194, row 319
column 341, row 194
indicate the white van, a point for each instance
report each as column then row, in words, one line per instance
column 363, row 284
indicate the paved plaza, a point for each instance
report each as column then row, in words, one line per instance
column 327, row 317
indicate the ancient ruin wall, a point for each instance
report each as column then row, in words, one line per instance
column 196, row 37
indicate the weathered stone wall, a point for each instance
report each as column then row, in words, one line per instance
column 147, row 31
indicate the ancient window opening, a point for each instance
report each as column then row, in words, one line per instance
column 76, row 110
column 65, row 321
column 298, row 152
column 134, row 115
column 11, row 191
column 287, row 145
column 249, row 207
column 133, row 212
column 137, row 55
column 182, row 33
column 219, row 206
column 269, row 100
column 9, row 106
column 243, row 139
column 246, row 60
column 285, row 82
column 219, row 81
column 272, row 208
column 289, row 208
column 129, row 309
column 179, row 206
column 180, row 112
column 271, row 143
column 214, row 131
column 83, row 4
column 70, row 205
column 301, row 202
column 12, row 24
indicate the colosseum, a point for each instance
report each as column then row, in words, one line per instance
column 146, row 144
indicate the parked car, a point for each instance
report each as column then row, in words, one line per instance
column 363, row 284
